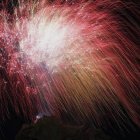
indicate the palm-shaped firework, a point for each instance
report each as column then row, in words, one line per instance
column 76, row 57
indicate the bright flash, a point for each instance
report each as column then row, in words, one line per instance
column 48, row 39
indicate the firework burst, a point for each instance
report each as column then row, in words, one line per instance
column 72, row 56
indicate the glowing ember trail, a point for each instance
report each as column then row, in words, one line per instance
column 72, row 57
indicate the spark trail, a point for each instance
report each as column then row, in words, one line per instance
column 72, row 56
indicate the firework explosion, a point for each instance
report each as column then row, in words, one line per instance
column 68, row 57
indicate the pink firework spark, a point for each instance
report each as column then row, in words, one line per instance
column 72, row 56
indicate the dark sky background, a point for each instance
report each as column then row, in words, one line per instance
column 10, row 127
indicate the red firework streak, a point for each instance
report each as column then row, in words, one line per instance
column 76, row 57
